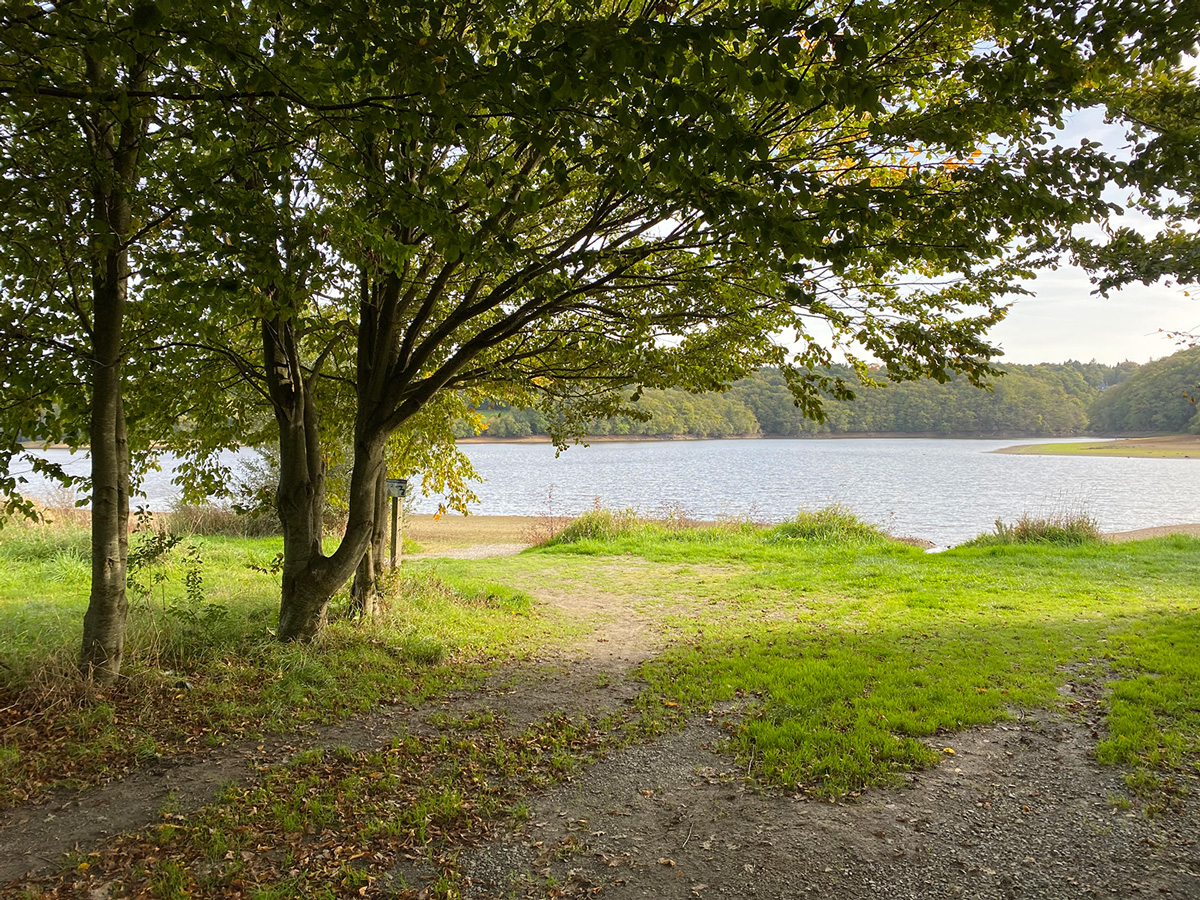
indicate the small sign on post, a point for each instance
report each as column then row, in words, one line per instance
column 396, row 489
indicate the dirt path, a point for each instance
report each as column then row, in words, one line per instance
column 593, row 678
column 479, row 551
column 1021, row 810
column 1017, row 810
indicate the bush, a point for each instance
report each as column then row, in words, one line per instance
column 186, row 518
column 1067, row 529
column 833, row 524
column 599, row 524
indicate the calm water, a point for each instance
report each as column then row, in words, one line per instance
column 943, row 490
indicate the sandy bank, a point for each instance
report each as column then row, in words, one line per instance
column 1169, row 446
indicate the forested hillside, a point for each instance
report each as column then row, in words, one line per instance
column 1051, row 400
column 1159, row 397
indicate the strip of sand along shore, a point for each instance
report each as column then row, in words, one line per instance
column 1171, row 446
column 500, row 535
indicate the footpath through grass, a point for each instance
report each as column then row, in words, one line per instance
column 851, row 648
column 202, row 664
column 850, row 659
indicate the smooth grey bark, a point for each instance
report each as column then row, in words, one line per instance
column 115, row 148
column 310, row 578
column 364, row 592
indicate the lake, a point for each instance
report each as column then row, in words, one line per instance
column 944, row 490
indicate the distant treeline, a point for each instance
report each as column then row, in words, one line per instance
column 1070, row 398
column 1158, row 397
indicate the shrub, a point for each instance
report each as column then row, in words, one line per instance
column 1060, row 528
column 833, row 524
column 599, row 524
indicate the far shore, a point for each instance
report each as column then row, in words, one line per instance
column 1168, row 446
column 841, row 436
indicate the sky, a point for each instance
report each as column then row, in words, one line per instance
column 1063, row 319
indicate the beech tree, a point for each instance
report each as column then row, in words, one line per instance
column 425, row 199
column 667, row 195
column 80, row 128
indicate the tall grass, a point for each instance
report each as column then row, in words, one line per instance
column 1064, row 529
column 209, row 519
column 831, row 524
column 600, row 524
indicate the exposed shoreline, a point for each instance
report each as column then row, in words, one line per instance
column 843, row 436
column 457, row 533
column 1168, row 446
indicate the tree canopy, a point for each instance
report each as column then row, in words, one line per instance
column 1159, row 397
column 366, row 207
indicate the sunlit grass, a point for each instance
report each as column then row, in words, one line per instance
column 857, row 656
column 854, row 658
column 204, row 667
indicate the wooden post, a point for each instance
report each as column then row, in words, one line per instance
column 395, row 507
column 396, row 488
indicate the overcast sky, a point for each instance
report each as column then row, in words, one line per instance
column 1064, row 320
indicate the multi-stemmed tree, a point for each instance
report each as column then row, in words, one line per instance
column 374, row 207
column 673, row 195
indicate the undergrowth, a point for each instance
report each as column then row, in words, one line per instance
column 1068, row 529
column 202, row 665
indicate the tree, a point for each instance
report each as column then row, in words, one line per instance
column 79, row 127
column 1161, row 110
column 1158, row 397
column 647, row 197
column 428, row 199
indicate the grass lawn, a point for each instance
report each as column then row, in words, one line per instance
column 847, row 659
column 1171, row 446
column 202, row 664
column 851, row 651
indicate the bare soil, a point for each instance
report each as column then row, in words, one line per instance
column 1141, row 534
column 1020, row 809
column 453, row 532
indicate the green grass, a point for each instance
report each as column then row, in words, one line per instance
column 854, row 652
column 846, row 659
column 858, row 656
column 1166, row 447
column 202, row 665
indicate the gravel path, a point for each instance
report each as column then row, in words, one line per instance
column 1019, row 810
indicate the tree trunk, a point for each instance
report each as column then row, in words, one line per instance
column 364, row 592
column 104, row 622
column 310, row 578
column 115, row 147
